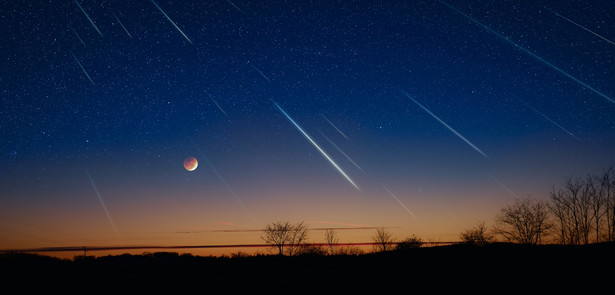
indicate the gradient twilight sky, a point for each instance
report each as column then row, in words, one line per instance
column 440, row 113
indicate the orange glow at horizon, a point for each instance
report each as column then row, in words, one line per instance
column 161, row 222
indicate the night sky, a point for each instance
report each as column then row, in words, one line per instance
column 420, row 116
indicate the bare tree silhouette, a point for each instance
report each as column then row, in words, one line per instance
column 383, row 240
column 607, row 190
column 525, row 222
column 286, row 235
column 584, row 209
column 562, row 207
column 331, row 239
column 597, row 203
column 477, row 236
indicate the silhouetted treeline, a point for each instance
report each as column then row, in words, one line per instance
column 584, row 209
column 579, row 212
column 439, row 269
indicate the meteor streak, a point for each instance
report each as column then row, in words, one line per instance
column 102, row 202
column 215, row 102
column 228, row 187
column 71, row 28
column 502, row 185
column 229, row 1
column 527, row 51
column 125, row 30
column 172, row 22
column 318, row 147
column 259, row 71
column 86, row 15
column 547, row 118
column 398, row 201
column 338, row 130
column 578, row 25
column 86, row 73
column 446, row 125
column 341, row 152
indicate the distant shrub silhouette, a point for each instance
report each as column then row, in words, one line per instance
column 312, row 250
column 349, row 251
column 84, row 258
column 239, row 254
column 411, row 242
column 477, row 236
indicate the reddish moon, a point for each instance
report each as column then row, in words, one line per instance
column 190, row 163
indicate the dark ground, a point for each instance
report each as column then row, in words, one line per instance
column 493, row 269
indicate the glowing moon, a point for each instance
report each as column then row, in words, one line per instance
column 190, row 163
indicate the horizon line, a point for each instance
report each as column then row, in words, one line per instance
column 108, row 248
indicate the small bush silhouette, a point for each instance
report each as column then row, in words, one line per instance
column 411, row 242
column 312, row 250
column 476, row 236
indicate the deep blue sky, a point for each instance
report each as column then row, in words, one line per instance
column 152, row 99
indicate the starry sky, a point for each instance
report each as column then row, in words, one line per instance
column 423, row 117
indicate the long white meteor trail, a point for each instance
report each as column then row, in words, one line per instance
column 318, row 147
column 86, row 73
column 86, row 15
column 229, row 1
column 260, row 72
column 446, row 125
column 527, row 51
column 120, row 22
column 341, row 152
column 338, row 130
column 215, row 102
column 398, row 201
column 71, row 28
column 580, row 26
column 547, row 118
column 172, row 22
column 102, row 203
column 502, row 185
column 228, row 187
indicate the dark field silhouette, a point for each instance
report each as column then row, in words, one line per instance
column 495, row 268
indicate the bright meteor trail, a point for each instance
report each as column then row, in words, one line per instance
column 118, row 20
column 318, row 147
column 580, row 26
column 338, row 130
column 528, row 51
column 235, row 6
column 341, row 152
column 102, row 202
column 446, row 125
column 86, row 73
column 398, row 201
column 259, row 71
column 77, row 36
column 228, row 187
column 172, row 22
column 215, row 102
column 86, row 15
column 547, row 118
column 501, row 185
